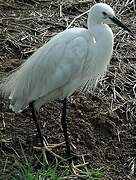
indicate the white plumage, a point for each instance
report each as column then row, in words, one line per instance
column 67, row 62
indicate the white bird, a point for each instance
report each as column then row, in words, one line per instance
column 71, row 60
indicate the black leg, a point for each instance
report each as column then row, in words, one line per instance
column 64, row 126
column 36, row 122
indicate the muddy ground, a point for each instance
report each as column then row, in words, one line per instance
column 102, row 125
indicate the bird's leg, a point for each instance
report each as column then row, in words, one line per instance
column 64, row 127
column 44, row 145
column 34, row 115
column 74, row 168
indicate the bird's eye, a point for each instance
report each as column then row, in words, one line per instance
column 104, row 13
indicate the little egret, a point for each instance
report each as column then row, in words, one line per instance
column 73, row 59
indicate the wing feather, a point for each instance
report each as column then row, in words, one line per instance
column 55, row 66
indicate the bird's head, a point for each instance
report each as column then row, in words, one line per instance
column 103, row 13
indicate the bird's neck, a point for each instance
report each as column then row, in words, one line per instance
column 103, row 37
column 102, row 48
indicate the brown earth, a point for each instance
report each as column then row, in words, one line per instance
column 102, row 126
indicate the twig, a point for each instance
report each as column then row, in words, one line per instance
column 60, row 10
column 5, row 165
column 77, row 17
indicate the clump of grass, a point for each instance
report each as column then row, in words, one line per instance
column 52, row 172
column 98, row 174
column 27, row 172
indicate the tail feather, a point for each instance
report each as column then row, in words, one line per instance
column 7, row 86
column 8, row 89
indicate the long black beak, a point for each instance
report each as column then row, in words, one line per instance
column 119, row 23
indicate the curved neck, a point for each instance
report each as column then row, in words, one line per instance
column 101, row 32
column 103, row 37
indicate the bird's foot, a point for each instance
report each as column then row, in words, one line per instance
column 78, row 169
column 49, row 148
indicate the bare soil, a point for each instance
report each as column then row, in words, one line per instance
column 102, row 125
